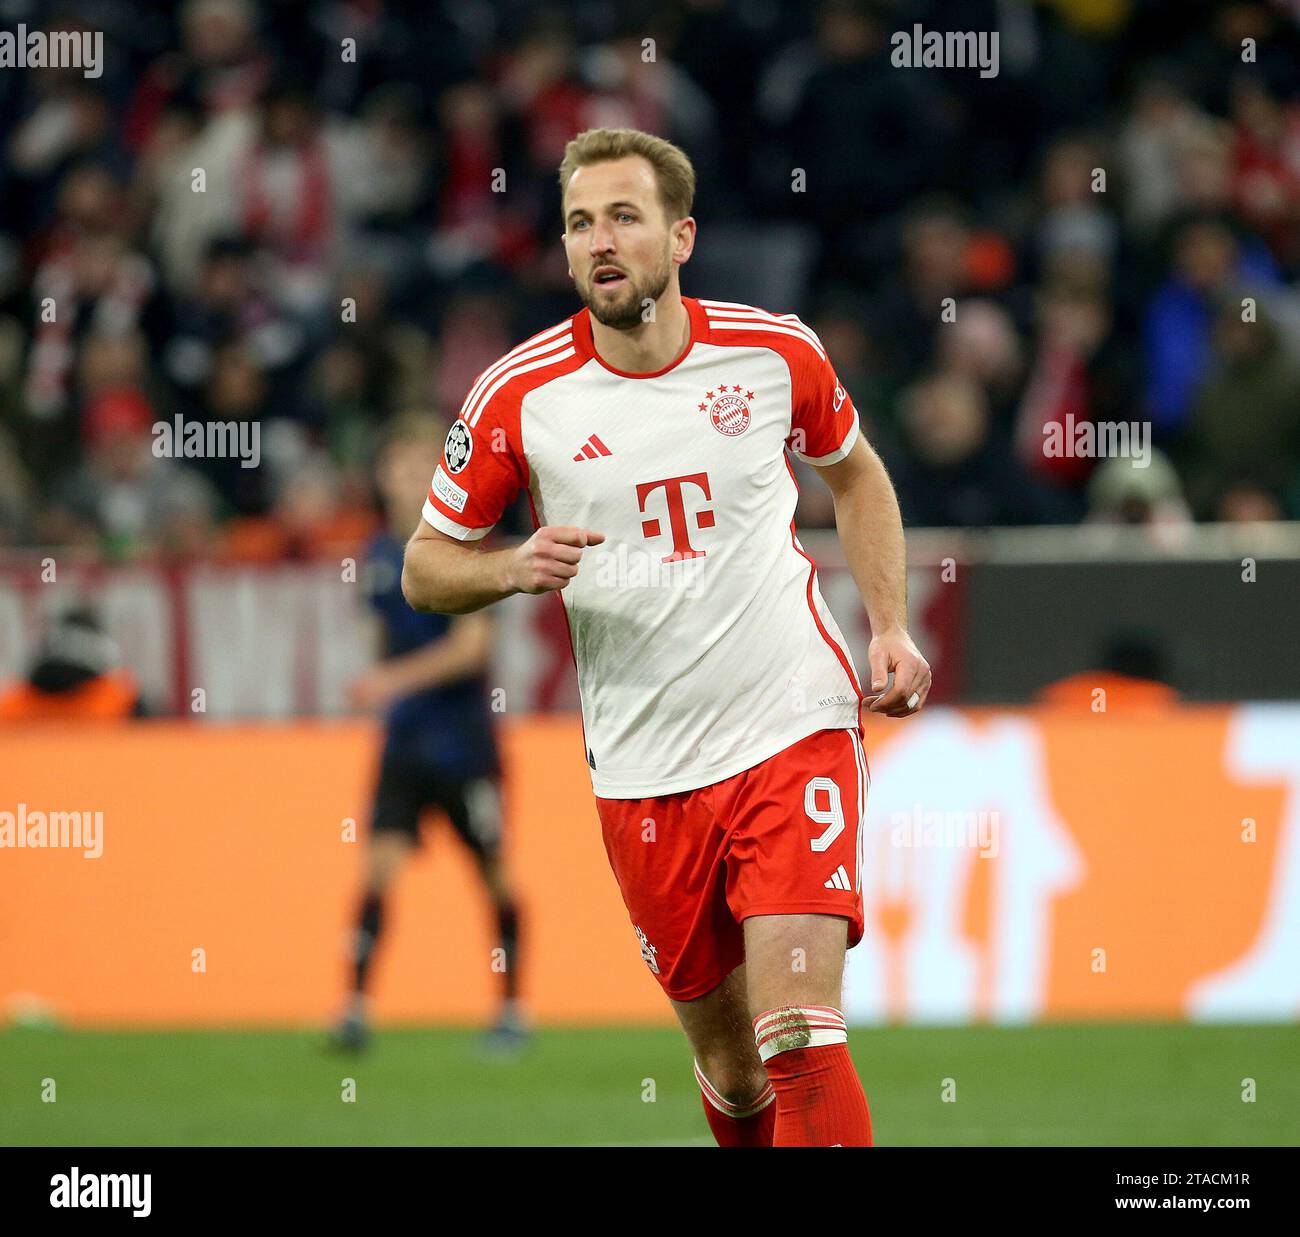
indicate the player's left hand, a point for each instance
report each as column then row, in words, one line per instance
column 894, row 650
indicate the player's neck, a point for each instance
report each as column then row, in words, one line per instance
column 649, row 347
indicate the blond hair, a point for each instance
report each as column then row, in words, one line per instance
column 674, row 174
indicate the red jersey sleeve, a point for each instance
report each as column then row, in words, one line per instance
column 481, row 471
column 823, row 421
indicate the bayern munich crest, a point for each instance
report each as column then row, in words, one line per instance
column 728, row 409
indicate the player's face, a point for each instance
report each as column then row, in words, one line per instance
column 618, row 243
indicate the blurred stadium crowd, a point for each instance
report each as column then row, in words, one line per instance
column 378, row 180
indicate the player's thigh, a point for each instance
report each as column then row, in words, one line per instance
column 668, row 855
column 794, row 868
column 722, row 1037
column 402, row 794
column 794, row 960
column 474, row 809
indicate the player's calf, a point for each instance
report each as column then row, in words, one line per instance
column 819, row 1098
column 796, row 966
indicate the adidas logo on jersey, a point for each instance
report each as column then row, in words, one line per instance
column 592, row 449
column 839, row 879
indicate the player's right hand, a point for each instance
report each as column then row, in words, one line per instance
column 549, row 559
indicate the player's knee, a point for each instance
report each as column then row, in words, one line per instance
column 735, row 1080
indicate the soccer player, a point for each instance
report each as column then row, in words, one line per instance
column 721, row 709
column 440, row 753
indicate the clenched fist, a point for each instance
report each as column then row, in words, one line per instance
column 892, row 654
column 549, row 559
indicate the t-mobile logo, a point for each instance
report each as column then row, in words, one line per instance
column 678, row 521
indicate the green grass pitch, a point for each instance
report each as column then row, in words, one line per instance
column 1102, row 1084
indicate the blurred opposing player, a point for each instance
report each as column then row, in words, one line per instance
column 721, row 710
column 439, row 752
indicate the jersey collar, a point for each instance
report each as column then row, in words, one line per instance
column 585, row 346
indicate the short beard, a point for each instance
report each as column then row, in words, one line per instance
column 626, row 315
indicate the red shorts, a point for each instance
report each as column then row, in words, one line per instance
column 782, row 838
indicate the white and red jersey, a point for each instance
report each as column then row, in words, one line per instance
column 702, row 641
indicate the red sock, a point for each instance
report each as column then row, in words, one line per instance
column 738, row 1125
column 819, row 1099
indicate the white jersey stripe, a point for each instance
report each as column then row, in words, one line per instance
column 461, row 532
column 748, row 309
column 551, row 333
column 736, row 316
column 748, row 313
column 521, row 353
column 484, row 388
column 757, row 324
column 860, row 758
column 743, row 313
column 514, row 372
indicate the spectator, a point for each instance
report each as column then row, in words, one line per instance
column 77, row 676
column 953, row 474
column 1077, row 237
column 1080, row 374
column 1248, row 502
column 220, row 67
column 124, row 498
column 309, row 520
column 1162, row 125
column 1207, row 262
column 228, row 306
column 89, row 277
column 1121, row 491
column 1246, row 419
column 237, row 222
column 237, row 392
column 982, row 344
column 905, row 318
column 1266, row 167
column 16, row 494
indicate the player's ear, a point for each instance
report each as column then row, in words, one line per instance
column 683, row 239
